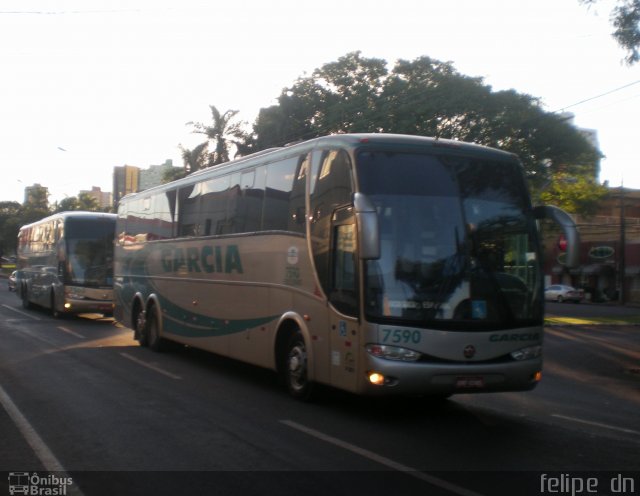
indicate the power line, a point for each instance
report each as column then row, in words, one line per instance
column 597, row 96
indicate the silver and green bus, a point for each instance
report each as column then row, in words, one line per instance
column 377, row 264
column 65, row 263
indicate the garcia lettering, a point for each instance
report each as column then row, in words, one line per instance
column 204, row 259
column 533, row 336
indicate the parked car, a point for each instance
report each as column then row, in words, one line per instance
column 12, row 281
column 562, row 292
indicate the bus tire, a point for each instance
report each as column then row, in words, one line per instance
column 54, row 311
column 295, row 368
column 154, row 341
column 140, row 333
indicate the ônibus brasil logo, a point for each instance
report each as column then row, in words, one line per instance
column 33, row 484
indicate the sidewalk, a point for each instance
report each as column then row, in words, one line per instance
column 552, row 320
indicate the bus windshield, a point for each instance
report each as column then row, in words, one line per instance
column 89, row 246
column 457, row 242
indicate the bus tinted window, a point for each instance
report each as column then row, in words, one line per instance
column 163, row 207
column 331, row 187
column 249, row 208
column 188, row 204
column 212, row 217
column 280, row 180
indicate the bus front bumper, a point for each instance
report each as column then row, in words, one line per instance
column 387, row 377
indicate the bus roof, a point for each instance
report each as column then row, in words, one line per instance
column 72, row 214
column 352, row 141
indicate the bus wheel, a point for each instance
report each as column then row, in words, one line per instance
column 154, row 341
column 54, row 311
column 140, row 332
column 295, row 370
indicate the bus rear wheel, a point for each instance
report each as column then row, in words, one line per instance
column 154, row 341
column 295, row 369
column 140, row 332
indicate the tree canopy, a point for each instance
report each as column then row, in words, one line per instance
column 625, row 18
column 223, row 131
column 429, row 97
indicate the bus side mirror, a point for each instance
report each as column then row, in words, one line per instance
column 368, row 231
column 569, row 228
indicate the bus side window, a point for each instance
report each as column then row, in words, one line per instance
column 297, row 214
column 161, row 215
column 212, row 217
column 278, row 194
column 188, row 205
column 252, row 185
column 331, row 188
column 344, row 293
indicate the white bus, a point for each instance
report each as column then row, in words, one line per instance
column 378, row 264
column 65, row 263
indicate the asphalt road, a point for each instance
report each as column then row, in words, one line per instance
column 81, row 399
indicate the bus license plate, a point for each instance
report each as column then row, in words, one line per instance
column 470, row 382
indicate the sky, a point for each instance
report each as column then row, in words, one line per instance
column 88, row 85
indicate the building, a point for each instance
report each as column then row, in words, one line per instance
column 130, row 179
column 103, row 198
column 609, row 267
column 154, row 175
column 126, row 179
column 36, row 194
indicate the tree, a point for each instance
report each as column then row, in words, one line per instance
column 574, row 194
column 36, row 207
column 66, row 204
column 83, row 201
column 88, row 203
column 430, row 98
column 10, row 215
column 625, row 18
column 196, row 159
column 223, row 132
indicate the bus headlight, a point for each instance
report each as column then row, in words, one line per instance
column 527, row 353
column 392, row 352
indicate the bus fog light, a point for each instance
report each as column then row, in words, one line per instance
column 393, row 352
column 376, row 378
column 67, row 306
column 527, row 353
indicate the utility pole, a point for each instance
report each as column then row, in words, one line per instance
column 623, row 245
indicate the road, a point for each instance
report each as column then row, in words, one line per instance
column 81, row 399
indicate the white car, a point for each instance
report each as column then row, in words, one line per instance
column 562, row 292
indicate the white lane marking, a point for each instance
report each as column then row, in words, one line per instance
column 39, row 447
column 42, row 451
column 596, row 424
column 73, row 333
column 434, row 481
column 150, row 366
column 21, row 312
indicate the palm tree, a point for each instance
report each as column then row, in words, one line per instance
column 195, row 159
column 220, row 133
